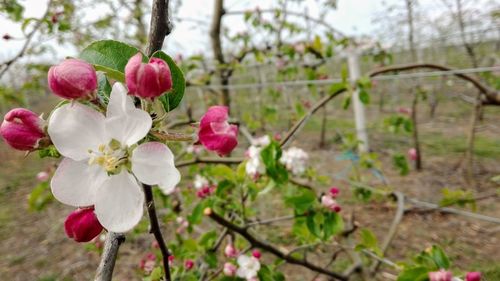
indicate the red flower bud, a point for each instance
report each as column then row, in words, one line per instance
column 334, row 191
column 256, row 254
column 22, row 129
column 188, row 264
column 72, row 79
column 82, row 225
column 473, row 276
column 216, row 134
column 147, row 80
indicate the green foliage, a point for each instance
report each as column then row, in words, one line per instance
column 271, row 155
column 13, row 9
column 396, row 123
column 459, row 197
column 400, row 163
column 368, row 241
column 301, row 201
column 266, row 273
column 432, row 259
column 324, row 224
column 110, row 57
column 40, row 197
column 173, row 98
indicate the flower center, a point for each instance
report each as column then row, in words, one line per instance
column 111, row 157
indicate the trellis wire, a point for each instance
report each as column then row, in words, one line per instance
column 337, row 80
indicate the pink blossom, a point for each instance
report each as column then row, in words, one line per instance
column 147, row 80
column 330, row 203
column 171, row 259
column 412, row 154
column 404, row 110
column 72, row 79
column 148, row 263
column 205, row 191
column 188, row 264
column 22, row 129
column 334, row 191
column 42, row 176
column 473, row 276
column 183, row 225
column 256, row 254
column 230, row 251
column 441, row 275
column 229, row 269
column 216, row 134
column 82, row 225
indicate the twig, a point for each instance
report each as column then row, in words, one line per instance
column 174, row 136
column 392, row 230
column 155, row 228
column 210, row 160
column 29, row 37
column 493, row 96
column 268, row 247
column 109, row 254
column 306, row 117
column 272, row 220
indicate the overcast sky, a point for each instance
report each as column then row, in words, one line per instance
column 353, row 17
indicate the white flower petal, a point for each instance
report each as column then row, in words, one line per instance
column 76, row 128
column 153, row 163
column 75, row 182
column 172, row 178
column 119, row 203
column 124, row 122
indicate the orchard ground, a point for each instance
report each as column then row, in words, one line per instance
column 34, row 246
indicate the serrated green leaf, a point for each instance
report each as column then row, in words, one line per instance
column 414, row 274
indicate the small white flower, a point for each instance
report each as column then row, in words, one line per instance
column 262, row 141
column 254, row 165
column 247, row 267
column 200, row 181
column 295, row 160
column 98, row 149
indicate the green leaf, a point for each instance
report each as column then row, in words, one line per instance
column 50, row 151
column 346, row 102
column 173, row 98
column 274, row 169
column 419, row 273
column 208, row 239
column 364, row 97
column 334, row 88
column 103, row 88
column 197, row 214
column 399, row 161
column 439, row 257
column 39, row 197
column 156, row 274
column 301, row 202
column 314, row 223
column 334, row 224
column 110, row 57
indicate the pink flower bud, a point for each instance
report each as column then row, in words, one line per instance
column 441, row 275
column 330, row 203
column 148, row 263
column 82, row 225
column 205, row 191
column 412, row 154
column 334, row 191
column 72, row 79
column 256, row 254
column 171, row 259
column 216, row 134
column 229, row 269
column 22, row 129
column 404, row 110
column 147, row 80
column 42, row 176
column 188, row 264
column 230, row 251
column 473, row 276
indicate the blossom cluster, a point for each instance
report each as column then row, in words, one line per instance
column 247, row 267
column 254, row 166
column 295, row 160
column 443, row 275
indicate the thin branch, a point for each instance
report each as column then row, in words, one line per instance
column 155, row 228
column 6, row 65
column 164, row 136
column 268, row 247
column 210, row 160
column 109, row 254
column 306, row 117
column 493, row 96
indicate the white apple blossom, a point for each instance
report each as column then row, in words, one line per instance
column 247, row 267
column 254, row 165
column 295, row 160
column 103, row 165
column 200, row 182
column 262, row 141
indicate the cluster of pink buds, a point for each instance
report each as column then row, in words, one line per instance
column 216, row 134
column 147, row 80
column 328, row 200
column 82, row 225
column 183, row 225
column 444, row 275
column 148, row 263
column 229, row 269
column 22, row 129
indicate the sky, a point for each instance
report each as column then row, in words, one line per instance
column 352, row 17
